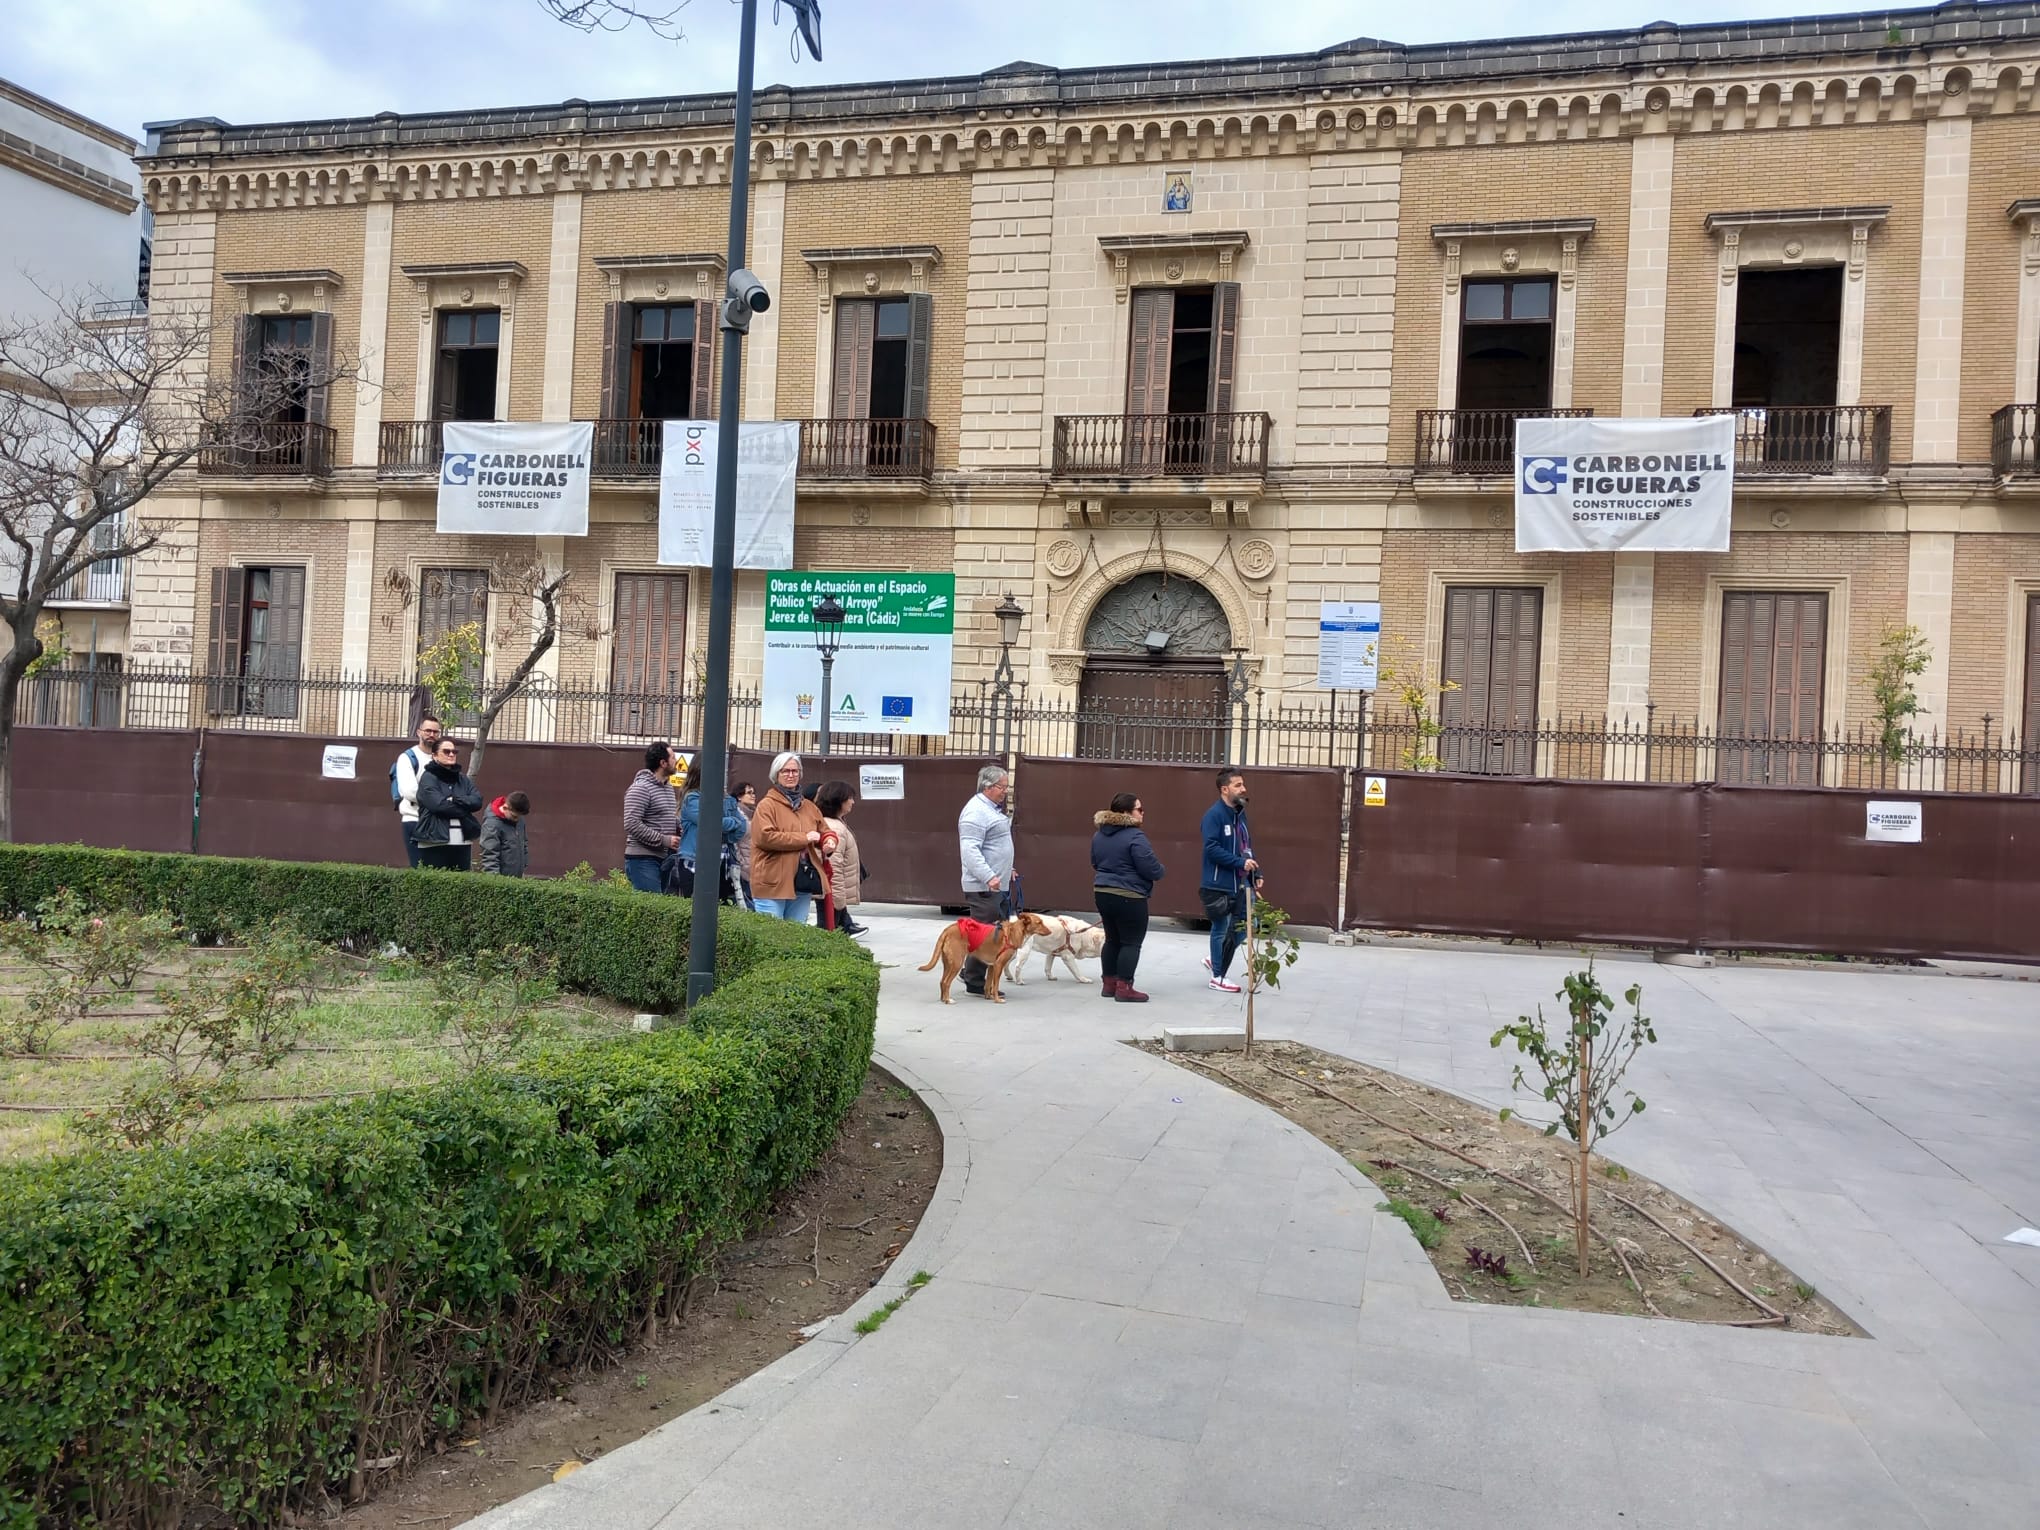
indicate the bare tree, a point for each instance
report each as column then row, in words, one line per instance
column 661, row 18
column 535, row 604
column 95, row 415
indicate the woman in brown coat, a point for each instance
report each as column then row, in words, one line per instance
column 846, row 868
column 786, row 828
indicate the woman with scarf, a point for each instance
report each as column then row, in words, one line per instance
column 449, row 811
column 788, row 841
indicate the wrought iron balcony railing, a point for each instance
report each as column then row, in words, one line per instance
column 867, row 448
column 2015, row 441
column 1476, row 441
column 1801, row 439
column 270, row 449
column 1162, row 445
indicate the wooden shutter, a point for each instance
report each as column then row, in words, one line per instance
column 617, row 338
column 704, row 361
column 318, row 394
column 648, row 653
column 1493, row 643
column 920, row 334
column 1773, row 676
column 1147, row 356
column 223, row 653
column 856, row 328
column 286, row 642
column 247, row 352
column 449, row 598
column 2029, row 729
column 445, row 382
column 1225, row 336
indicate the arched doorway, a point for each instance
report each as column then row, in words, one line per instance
column 1154, row 685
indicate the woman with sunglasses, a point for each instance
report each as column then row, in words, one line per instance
column 449, row 811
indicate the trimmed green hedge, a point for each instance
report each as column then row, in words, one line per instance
column 246, row 1319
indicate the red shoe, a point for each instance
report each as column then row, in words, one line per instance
column 1128, row 994
column 1109, row 988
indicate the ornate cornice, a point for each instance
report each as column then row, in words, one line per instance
column 1954, row 60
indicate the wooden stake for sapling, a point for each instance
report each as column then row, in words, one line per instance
column 1253, row 979
column 1584, row 1119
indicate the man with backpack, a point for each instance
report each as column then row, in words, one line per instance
column 404, row 782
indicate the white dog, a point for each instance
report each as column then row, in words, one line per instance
column 1071, row 939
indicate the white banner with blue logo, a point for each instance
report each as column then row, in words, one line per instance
column 1624, row 485
column 768, row 458
column 504, row 479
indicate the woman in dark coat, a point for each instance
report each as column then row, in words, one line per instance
column 449, row 811
column 1124, row 870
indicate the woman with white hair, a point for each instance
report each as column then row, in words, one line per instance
column 788, row 841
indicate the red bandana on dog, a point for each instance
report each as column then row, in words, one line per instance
column 975, row 932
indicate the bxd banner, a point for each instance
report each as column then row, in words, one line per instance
column 892, row 668
column 1624, row 485
column 514, row 480
column 768, row 453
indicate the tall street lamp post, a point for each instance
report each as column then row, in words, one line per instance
column 746, row 296
column 828, row 619
column 1010, row 615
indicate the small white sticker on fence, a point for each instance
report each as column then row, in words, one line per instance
column 1375, row 793
column 1893, row 823
column 882, row 783
column 338, row 762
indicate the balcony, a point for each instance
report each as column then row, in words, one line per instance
column 103, row 584
column 407, row 449
column 1799, row 441
column 271, row 449
column 1162, row 446
column 1477, row 442
column 628, row 448
column 2015, row 441
column 866, row 450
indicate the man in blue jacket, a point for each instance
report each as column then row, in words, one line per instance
column 1229, row 866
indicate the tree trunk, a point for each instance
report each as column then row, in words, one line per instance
column 27, row 648
column 1583, row 1116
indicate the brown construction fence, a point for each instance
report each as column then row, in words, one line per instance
column 1673, row 866
column 1706, row 867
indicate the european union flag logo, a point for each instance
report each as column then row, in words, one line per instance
column 896, row 706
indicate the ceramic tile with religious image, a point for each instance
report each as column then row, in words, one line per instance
column 1176, row 192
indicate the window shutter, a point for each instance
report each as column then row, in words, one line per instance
column 229, row 605
column 445, row 379
column 1225, row 335
column 648, row 654
column 1512, row 684
column 616, row 346
column 1147, row 356
column 920, row 333
column 286, row 645
column 318, row 398
column 1736, row 615
column 856, row 328
column 2029, row 730
column 704, row 361
column 247, row 351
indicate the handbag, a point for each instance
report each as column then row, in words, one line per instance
column 807, row 881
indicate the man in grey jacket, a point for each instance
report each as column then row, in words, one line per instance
column 985, row 837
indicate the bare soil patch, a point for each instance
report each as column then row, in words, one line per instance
column 1492, row 1201
column 828, row 1240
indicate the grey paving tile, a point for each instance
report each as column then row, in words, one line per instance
column 1159, row 1380
column 1084, row 1467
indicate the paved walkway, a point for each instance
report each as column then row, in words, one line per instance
column 1157, row 1304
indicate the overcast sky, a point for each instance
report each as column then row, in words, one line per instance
column 126, row 62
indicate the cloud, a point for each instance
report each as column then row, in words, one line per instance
column 130, row 61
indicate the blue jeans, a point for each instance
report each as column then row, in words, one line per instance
column 1228, row 915
column 794, row 910
column 645, row 873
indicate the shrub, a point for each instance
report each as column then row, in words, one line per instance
column 248, row 1319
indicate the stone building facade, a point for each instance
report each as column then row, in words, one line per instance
column 1259, row 326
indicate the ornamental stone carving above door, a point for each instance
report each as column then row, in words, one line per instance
column 1158, row 615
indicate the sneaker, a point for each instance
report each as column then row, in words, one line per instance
column 1222, row 985
column 1207, row 964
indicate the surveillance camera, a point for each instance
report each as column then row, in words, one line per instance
column 747, row 295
